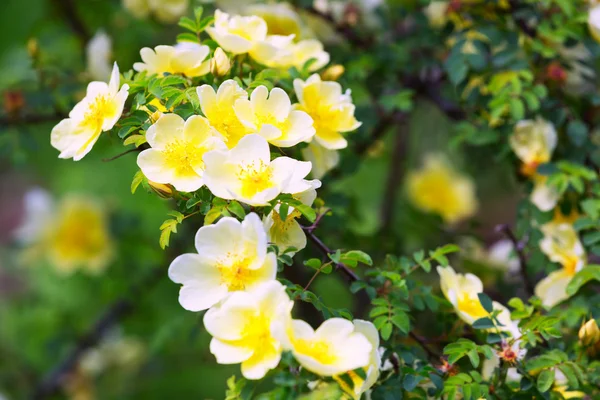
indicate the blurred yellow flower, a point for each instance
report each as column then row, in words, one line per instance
column 561, row 245
column 543, row 195
column 218, row 108
column 98, row 112
column 323, row 160
column 184, row 58
column 332, row 349
column 436, row 13
column 79, row 237
column 282, row 52
column 439, row 189
column 166, row 11
column 270, row 114
column 237, row 34
column 533, row 141
column 331, row 110
column 241, row 327
column 333, row 73
column 281, row 18
column 176, row 151
column 462, row 292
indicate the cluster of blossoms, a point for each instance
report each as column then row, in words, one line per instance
column 228, row 149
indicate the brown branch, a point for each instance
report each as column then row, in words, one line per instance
column 430, row 353
column 134, row 150
column 327, row 251
column 32, row 119
column 394, row 177
column 519, row 247
column 69, row 12
column 342, row 28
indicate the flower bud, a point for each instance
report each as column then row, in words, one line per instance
column 589, row 334
column 333, row 73
column 220, row 64
column 33, row 47
column 162, row 190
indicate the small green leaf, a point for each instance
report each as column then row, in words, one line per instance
column 486, row 302
column 353, row 257
column 483, row 323
column 588, row 273
column 386, row 331
column 545, row 380
column 236, row 209
column 137, row 179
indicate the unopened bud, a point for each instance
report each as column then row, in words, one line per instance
column 333, row 73
column 162, row 190
column 589, row 334
column 220, row 64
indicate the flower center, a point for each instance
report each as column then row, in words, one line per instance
column 255, row 178
column 279, row 230
column 237, row 275
column 99, row 109
column 317, row 349
column 182, row 155
column 224, row 120
column 471, row 306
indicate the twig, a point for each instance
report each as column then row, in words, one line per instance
column 519, row 246
column 327, row 251
column 343, row 29
column 394, row 177
column 135, row 150
column 32, row 119
column 315, row 224
column 432, row 354
column 120, row 308
column 69, row 11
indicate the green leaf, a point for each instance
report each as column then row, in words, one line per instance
column 353, row 257
column 283, row 211
column 483, row 323
column 308, row 212
column 591, row 238
column 401, row 321
column 577, row 132
column 313, row 263
column 588, row 273
column 474, row 358
column 386, row 331
column 188, row 23
column 545, row 380
column 486, row 302
column 187, row 37
column 137, row 179
column 236, row 209
column 517, row 109
column 377, row 311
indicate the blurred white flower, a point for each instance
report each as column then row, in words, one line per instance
column 38, row 213
column 99, row 54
